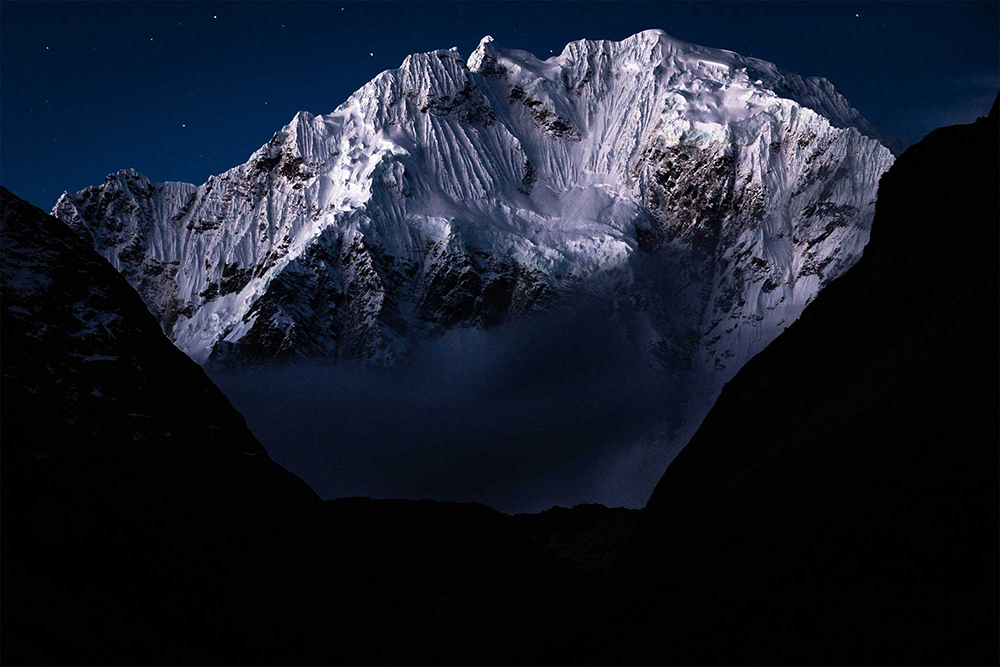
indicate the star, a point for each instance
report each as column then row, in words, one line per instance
column 371, row 54
column 214, row 16
column 183, row 125
column 46, row 48
column 857, row 16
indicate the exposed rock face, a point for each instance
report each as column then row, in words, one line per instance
column 706, row 195
column 840, row 501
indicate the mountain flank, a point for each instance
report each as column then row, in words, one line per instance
column 840, row 501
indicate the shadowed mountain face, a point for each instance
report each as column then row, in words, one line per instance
column 132, row 489
column 90, row 381
column 839, row 503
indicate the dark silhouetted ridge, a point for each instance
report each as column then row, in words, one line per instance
column 840, row 502
column 838, row 505
column 134, row 496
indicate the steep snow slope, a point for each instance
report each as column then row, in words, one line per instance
column 706, row 196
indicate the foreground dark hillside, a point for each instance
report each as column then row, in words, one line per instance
column 839, row 503
column 133, row 493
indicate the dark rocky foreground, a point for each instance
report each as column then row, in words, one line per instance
column 839, row 503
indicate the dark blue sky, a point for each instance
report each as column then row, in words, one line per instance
column 183, row 90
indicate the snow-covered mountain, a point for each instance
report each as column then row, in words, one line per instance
column 706, row 196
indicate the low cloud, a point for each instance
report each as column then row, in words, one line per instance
column 558, row 411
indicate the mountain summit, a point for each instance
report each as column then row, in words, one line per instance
column 704, row 196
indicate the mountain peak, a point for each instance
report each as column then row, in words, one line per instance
column 484, row 55
column 537, row 176
column 652, row 35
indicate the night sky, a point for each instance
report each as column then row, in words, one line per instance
column 184, row 90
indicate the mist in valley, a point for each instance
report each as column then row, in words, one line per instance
column 558, row 410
